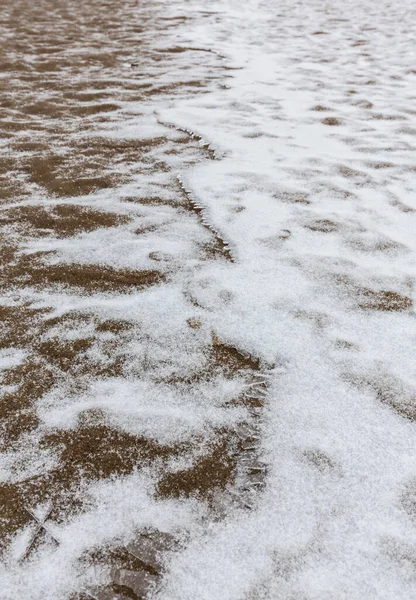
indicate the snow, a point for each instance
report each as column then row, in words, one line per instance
column 336, row 533
column 151, row 411
column 333, row 526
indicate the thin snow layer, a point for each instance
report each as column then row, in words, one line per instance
column 315, row 193
column 150, row 410
column 310, row 116
column 123, row 505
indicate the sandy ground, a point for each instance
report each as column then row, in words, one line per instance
column 208, row 263
column 73, row 75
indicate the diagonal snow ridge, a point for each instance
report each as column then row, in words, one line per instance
column 214, row 153
column 200, row 209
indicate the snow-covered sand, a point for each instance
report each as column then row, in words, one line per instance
column 309, row 181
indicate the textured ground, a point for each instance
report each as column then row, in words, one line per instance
column 208, row 285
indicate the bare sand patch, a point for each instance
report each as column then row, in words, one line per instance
column 63, row 220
